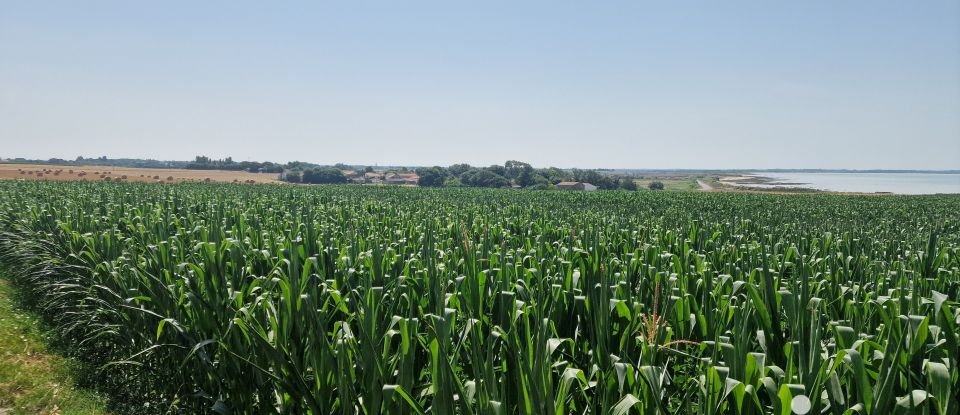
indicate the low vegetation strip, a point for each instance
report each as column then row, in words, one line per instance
column 33, row 380
column 332, row 299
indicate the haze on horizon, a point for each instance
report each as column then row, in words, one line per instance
column 752, row 84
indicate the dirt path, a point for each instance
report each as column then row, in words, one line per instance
column 33, row 380
column 704, row 186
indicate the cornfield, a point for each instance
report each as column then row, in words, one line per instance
column 207, row 298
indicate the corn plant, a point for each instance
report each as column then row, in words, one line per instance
column 200, row 298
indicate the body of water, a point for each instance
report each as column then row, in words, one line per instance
column 900, row 183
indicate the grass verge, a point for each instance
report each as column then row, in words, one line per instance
column 685, row 184
column 32, row 379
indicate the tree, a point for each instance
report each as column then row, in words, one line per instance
column 324, row 175
column 628, row 184
column 452, row 181
column 521, row 173
column 483, row 178
column 655, row 185
column 458, row 169
column 292, row 176
column 431, row 176
column 368, row 169
column 602, row 181
column 296, row 165
column 539, row 183
column 553, row 175
column 498, row 170
column 526, row 178
column 269, row 167
column 251, row 166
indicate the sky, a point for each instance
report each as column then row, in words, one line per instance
column 607, row 84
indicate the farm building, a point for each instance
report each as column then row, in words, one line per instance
column 576, row 186
column 356, row 177
column 403, row 179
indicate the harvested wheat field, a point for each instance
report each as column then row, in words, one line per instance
column 129, row 174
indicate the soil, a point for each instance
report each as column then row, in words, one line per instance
column 130, row 174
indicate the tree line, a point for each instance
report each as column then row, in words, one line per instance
column 206, row 163
column 517, row 173
column 512, row 173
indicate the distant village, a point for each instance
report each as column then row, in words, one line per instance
column 374, row 177
column 412, row 179
column 512, row 174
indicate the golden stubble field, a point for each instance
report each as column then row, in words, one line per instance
column 128, row 174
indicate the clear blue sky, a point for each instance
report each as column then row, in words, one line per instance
column 712, row 84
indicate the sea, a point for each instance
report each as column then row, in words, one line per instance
column 898, row 183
